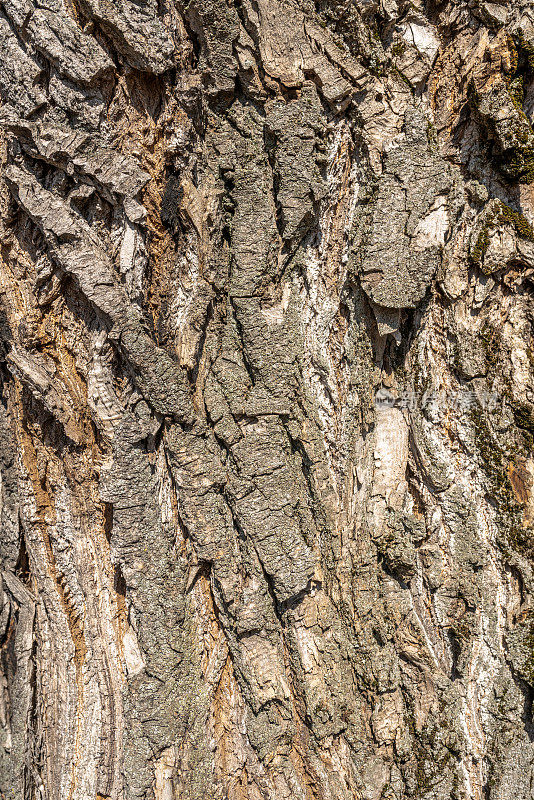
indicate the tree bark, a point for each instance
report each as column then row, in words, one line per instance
column 267, row 400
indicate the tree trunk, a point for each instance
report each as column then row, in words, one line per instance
column 267, row 400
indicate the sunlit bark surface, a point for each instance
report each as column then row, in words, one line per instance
column 267, row 400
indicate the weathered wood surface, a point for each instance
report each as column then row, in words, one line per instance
column 267, row 400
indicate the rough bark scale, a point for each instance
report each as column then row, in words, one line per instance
column 228, row 572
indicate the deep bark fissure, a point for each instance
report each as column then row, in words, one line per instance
column 267, row 481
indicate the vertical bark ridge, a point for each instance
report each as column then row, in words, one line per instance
column 267, row 402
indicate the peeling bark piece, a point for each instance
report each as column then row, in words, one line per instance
column 77, row 56
column 76, row 151
column 71, row 241
column 409, row 221
column 346, row 64
column 60, row 40
column 287, row 54
column 38, row 377
column 161, row 380
column 248, row 71
column 182, row 199
column 83, row 107
column 491, row 13
column 388, row 321
column 280, row 42
column 78, row 252
column 136, row 31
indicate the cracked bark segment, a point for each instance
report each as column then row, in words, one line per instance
column 247, row 172
column 267, row 507
column 72, row 242
column 297, row 127
column 222, row 538
column 230, row 568
column 136, row 31
column 273, row 390
column 9, row 509
column 80, row 253
column 160, row 692
column 509, row 129
column 18, row 609
column 414, row 47
column 17, row 615
column 19, row 74
column 57, row 36
column 200, row 477
column 501, row 238
column 217, row 25
column 78, row 152
column 409, row 221
column 290, row 47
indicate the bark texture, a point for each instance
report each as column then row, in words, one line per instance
column 267, row 400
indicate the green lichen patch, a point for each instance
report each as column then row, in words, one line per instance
column 491, row 342
column 398, row 48
column 525, row 49
column 432, row 756
column 517, row 91
column 517, row 163
column 510, row 136
column 514, row 56
column 481, row 245
column 495, row 465
column 499, row 214
column 521, row 65
column 517, row 220
column 523, row 417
